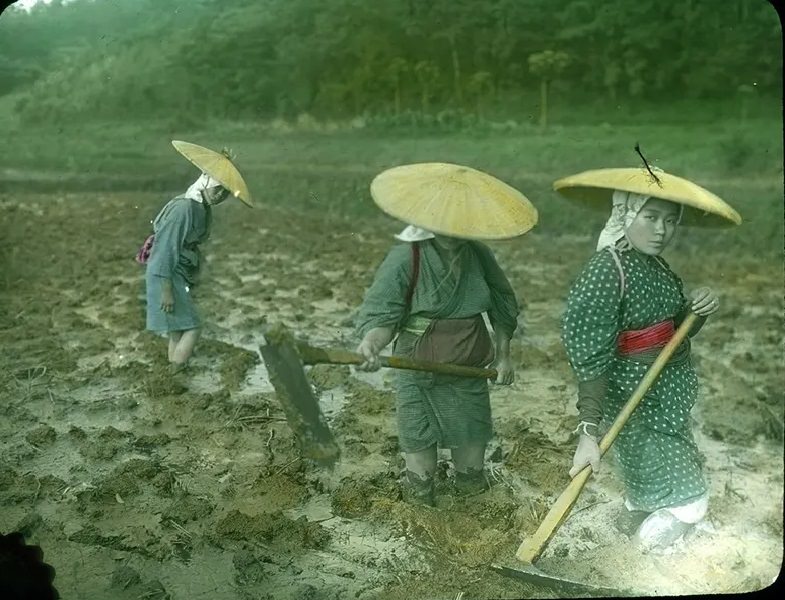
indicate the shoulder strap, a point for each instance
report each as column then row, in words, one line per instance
column 415, row 274
column 412, row 284
column 617, row 260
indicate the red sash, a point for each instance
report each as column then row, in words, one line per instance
column 638, row 340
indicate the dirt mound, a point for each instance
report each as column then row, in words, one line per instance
column 272, row 527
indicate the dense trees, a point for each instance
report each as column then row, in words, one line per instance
column 341, row 58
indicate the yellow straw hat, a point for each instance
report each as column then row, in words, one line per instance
column 596, row 187
column 453, row 200
column 218, row 166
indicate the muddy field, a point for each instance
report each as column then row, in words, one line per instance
column 136, row 488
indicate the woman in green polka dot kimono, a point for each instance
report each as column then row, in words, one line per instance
column 621, row 310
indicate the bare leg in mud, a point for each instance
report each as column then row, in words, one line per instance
column 422, row 463
column 469, row 475
column 420, row 468
column 174, row 338
column 181, row 347
column 468, row 457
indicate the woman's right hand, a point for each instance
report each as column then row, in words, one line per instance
column 167, row 296
column 370, row 352
column 587, row 453
column 374, row 342
column 704, row 302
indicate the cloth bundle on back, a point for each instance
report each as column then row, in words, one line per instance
column 622, row 309
column 172, row 254
column 429, row 294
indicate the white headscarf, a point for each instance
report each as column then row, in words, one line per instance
column 205, row 182
column 414, row 234
column 626, row 206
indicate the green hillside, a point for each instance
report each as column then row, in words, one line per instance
column 410, row 61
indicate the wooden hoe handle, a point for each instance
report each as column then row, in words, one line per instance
column 531, row 548
column 338, row 356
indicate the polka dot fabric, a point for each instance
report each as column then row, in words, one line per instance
column 660, row 462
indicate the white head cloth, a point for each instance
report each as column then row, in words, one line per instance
column 205, row 182
column 626, row 206
column 414, row 234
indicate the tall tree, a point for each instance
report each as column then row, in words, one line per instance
column 547, row 65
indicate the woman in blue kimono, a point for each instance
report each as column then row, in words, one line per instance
column 174, row 264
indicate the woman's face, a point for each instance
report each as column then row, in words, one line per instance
column 448, row 243
column 654, row 226
column 216, row 194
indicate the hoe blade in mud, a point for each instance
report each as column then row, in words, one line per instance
column 568, row 587
column 285, row 369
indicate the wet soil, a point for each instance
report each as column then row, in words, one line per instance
column 139, row 486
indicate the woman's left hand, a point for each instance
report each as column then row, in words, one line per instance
column 704, row 302
column 505, row 372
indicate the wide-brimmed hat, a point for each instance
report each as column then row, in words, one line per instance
column 218, row 166
column 453, row 200
column 595, row 188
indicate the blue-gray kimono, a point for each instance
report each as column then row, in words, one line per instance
column 179, row 228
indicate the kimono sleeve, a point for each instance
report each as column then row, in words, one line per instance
column 385, row 300
column 503, row 313
column 591, row 322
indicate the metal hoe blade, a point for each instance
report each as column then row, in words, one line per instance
column 532, row 574
column 296, row 396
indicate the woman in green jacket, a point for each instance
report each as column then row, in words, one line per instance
column 429, row 295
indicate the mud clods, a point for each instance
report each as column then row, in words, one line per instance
column 188, row 508
column 101, row 445
column 160, row 490
column 124, row 577
column 41, row 435
column 272, row 527
column 356, row 497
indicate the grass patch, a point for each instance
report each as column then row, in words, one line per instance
column 328, row 168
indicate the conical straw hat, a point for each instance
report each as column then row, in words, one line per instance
column 216, row 165
column 453, row 200
column 596, row 189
